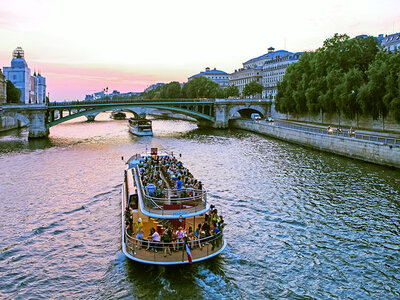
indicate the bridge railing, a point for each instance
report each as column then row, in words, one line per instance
column 117, row 101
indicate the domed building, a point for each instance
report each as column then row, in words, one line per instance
column 215, row 75
column 19, row 74
column 33, row 88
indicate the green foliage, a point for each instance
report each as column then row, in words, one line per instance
column 252, row 88
column 201, row 87
column 349, row 76
column 172, row 90
column 13, row 93
column 232, row 91
column 198, row 87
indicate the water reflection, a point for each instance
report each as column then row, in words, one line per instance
column 301, row 223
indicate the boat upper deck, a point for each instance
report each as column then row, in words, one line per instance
column 166, row 188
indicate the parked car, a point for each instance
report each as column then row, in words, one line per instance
column 255, row 116
column 269, row 119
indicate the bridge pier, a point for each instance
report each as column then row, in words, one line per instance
column 34, row 116
column 37, row 127
column 90, row 118
column 221, row 116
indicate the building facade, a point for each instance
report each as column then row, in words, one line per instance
column 244, row 76
column 218, row 76
column 19, row 74
column 391, row 42
column 153, row 86
column 267, row 69
column 273, row 71
column 40, row 88
column 33, row 88
column 3, row 88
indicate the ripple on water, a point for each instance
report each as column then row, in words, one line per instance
column 300, row 223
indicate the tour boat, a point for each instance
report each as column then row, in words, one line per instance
column 161, row 224
column 140, row 127
column 117, row 115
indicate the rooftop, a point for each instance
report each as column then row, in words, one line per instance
column 208, row 71
column 270, row 55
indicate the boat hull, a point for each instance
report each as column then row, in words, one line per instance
column 140, row 133
column 157, row 258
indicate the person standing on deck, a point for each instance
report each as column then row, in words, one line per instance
column 139, row 232
column 179, row 186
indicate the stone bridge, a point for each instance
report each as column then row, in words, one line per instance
column 208, row 112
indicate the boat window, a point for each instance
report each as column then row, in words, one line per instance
column 133, row 201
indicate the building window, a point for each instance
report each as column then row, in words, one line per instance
column 14, row 77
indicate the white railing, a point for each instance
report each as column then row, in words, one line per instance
column 176, row 252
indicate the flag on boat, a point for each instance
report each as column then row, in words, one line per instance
column 189, row 255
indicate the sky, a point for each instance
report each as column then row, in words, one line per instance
column 83, row 46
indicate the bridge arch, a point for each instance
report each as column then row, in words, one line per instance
column 245, row 111
column 24, row 120
column 199, row 116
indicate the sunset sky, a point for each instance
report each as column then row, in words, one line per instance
column 84, row 46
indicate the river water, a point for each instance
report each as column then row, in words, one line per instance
column 301, row 223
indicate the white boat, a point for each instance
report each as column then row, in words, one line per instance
column 161, row 225
column 140, row 127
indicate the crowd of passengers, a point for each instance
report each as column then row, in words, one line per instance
column 174, row 239
column 161, row 173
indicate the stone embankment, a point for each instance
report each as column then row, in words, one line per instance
column 374, row 152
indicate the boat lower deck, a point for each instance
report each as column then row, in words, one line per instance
column 164, row 253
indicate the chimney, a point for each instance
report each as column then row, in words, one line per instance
column 271, row 49
column 215, row 69
column 207, row 69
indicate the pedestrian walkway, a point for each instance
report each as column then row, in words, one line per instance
column 324, row 127
column 364, row 135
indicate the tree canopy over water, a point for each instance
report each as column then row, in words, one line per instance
column 350, row 76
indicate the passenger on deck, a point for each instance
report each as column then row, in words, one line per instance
column 179, row 234
column 174, row 240
column 154, row 240
column 166, row 238
column 139, row 232
column 214, row 231
column 197, row 234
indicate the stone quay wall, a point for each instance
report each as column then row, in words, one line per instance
column 373, row 152
column 360, row 122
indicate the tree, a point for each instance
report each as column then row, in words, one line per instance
column 172, row 90
column 232, row 91
column 331, row 79
column 252, row 88
column 201, row 87
column 13, row 93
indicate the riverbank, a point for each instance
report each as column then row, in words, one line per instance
column 374, row 152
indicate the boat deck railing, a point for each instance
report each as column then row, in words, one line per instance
column 175, row 202
column 170, row 253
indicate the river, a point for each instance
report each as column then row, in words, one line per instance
column 300, row 223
